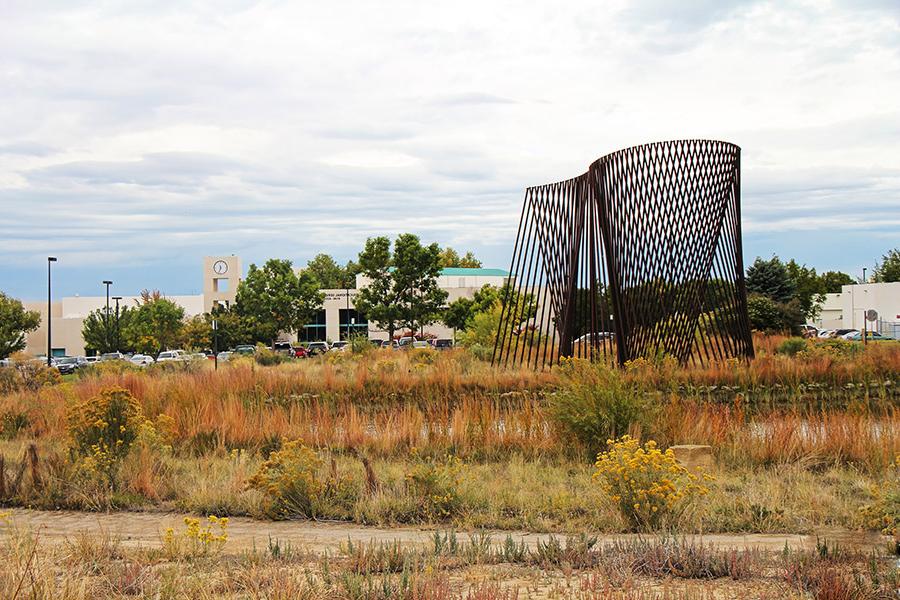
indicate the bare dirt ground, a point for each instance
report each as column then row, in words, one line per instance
column 145, row 529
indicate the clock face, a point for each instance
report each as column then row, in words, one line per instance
column 220, row 267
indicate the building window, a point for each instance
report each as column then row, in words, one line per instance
column 220, row 284
column 352, row 322
column 315, row 331
column 462, row 282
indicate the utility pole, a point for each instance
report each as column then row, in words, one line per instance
column 106, row 316
column 50, row 259
column 865, row 316
column 118, row 337
column 215, row 329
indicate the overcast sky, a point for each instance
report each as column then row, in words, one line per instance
column 134, row 141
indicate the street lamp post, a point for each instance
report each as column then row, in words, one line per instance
column 118, row 337
column 215, row 331
column 50, row 259
column 864, row 312
column 106, row 315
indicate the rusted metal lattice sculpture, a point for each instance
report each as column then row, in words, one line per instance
column 638, row 257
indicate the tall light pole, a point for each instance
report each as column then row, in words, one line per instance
column 106, row 316
column 118, row 339
column 50, row 259
column 864, row 336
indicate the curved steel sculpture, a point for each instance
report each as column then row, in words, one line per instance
column 639, row 256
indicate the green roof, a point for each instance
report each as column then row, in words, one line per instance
column 485, row 272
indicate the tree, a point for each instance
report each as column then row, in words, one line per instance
column 275, row 299
column 155, row 324
column 831, row 282
column 15, row 323
column 770, row 278
column 415, row 273
column 330, row 275
column 402, row 289
column 461, row 311
column 100, row 333
column 888, row 270
column 450, row 258
column 230, row 327
column 770, row 316
column 807, row 288
column 196, row 334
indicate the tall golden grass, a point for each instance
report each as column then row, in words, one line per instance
column 386, row 403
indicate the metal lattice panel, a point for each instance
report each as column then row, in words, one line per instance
column 639, row 256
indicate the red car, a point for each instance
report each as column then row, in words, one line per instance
column 300, row 352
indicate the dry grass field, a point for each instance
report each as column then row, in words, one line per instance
column 805, row 439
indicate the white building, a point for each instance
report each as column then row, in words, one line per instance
column 337, row 318
column 847, row 309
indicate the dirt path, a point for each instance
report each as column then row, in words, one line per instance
column 145, row 529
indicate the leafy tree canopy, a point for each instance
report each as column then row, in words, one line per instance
column 402, row 290
column 770, row 278
column 888, row 270
column 831, row 281
column 274, row 299
column 329, row 274
column 450, row 258
column 15, row 323
column 154, row 325
column 103, row 334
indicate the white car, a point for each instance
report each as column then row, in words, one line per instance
column 172, row 356
column 339, row 346
column 142, row 360
column 224, row 356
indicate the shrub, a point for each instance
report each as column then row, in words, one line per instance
column 792, row 346
column 594, row 405
column 11, row 423
column 422, row 356
column 109, row 422
column 650, row 487
column 435, row 486
column 883, row 513
column 290, row 481
column 196, row 540
column 360, row 344
column 268, row 358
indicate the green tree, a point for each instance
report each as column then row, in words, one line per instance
column 808, row 288
column 831, row 282
column 770, row 278
column 402, row 289
column 888, row 270
column 274, row 299
column 196, row 334
column 100, row 333
column 415, row 273
column 461, row 311
column 450, row 258
column 768, row 315
column 15, row 323
column 155, row 324
column 230, row 327
column 330, row 275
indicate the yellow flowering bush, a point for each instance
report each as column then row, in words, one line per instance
column 884, row 512
column 649, row 486
column 106, row 424
column 435, row 485
column 290, row 481
column 196, row 539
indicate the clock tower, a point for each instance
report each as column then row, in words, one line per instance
column 221, row 275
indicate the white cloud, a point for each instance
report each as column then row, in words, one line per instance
column 164, row 130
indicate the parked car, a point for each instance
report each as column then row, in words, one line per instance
column 172, row 356
column 871, row 336
column 420, row 344
column 67, row 365
column 4, row 362
column 300, row 352
column 808, row 331
column 224, row 356
column 314, row 348
column 442, row 343
column 112, row 356
column 283, row 348
column 598, row 337
column 389, row 344
column 92, row 359
column 825, row 334
column 142, row 360
column 405, row 342
column 245, row 349
column 339, row 346
column 196, row 356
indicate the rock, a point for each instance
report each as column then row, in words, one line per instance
column 694, row 456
